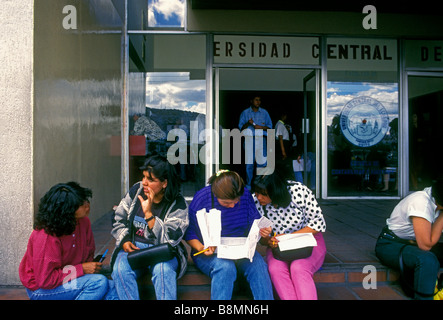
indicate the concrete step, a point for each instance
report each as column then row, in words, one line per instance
column 194, row 285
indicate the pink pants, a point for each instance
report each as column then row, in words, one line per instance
column 294, row 280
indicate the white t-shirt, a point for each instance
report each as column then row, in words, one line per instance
column 280, row 130
column 417, row 204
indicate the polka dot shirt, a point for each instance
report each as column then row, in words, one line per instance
column 303, row 211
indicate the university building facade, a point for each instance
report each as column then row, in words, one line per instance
column 91, row 87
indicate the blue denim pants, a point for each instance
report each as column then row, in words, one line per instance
column 164, row 277
column 251, row 157
column 423, row 265
column 223, row 273
column 86, row 287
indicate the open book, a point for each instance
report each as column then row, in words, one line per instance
column 296, row 241
column 229, row 247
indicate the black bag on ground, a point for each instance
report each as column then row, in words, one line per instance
column 143, row 258
column 291, row 255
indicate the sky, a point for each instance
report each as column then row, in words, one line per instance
column 340, row 93
column 166, row 13
column 174, row 90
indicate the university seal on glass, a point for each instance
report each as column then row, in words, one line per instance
column 364, row 121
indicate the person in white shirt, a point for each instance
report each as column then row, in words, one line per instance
column 412, row 233
column 283, row 147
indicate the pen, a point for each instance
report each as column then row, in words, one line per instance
column 103, row 256
column 273, row 242
column 201, row 252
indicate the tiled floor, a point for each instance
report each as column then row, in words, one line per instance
column 352, row 229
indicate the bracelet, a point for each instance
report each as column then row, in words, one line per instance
column 149, row 219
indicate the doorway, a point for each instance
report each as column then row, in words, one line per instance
column 425, row 109
column 294, row 91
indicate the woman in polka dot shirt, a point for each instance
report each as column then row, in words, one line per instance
column 292, row 208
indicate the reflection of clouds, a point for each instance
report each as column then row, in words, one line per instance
column 182, row 95
column 341, row 93
column 166, row 12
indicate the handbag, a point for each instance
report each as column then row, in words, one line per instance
column 150, row 256
column 291, row 255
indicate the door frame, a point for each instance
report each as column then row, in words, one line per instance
column 404, row 153
column 315, row 72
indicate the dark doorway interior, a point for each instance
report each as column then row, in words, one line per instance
column 426, row 112
column 232, row 103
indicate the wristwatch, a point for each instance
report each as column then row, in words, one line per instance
column 149, row 219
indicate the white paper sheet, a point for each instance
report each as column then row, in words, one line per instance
column 240, row 247
column 296, row 241
column 229, row 247
column 297, row 166
column 210, row 226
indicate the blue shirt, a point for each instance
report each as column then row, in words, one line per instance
column 261, row 117
column 236, row 221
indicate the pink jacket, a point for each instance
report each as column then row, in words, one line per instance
column 50, row 261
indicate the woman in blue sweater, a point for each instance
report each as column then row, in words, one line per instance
column 226, row 192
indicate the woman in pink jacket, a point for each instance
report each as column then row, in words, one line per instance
column 58, row 263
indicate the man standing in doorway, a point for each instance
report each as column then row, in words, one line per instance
column 257, row 120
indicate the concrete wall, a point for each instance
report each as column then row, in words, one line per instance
column 77, row 84
column 16, row 133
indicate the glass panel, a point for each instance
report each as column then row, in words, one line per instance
column 362, row 117
column 281, row 92
column 167, row 106
column 309, row 134
column 166, row 13
column 425, row 113
column 362, row 123
column 156, row 14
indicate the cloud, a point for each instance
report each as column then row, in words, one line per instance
column 166, row 12
column 341, row 93
column 185, row 95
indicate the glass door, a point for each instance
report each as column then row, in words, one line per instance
column 289, row 92
column 425, row 111
column 309, row 129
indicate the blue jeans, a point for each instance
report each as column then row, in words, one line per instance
column 86, row 287
column 164, row 277
column 223, row 273
column 424, row 265
column 250, row 158
column 298, row 176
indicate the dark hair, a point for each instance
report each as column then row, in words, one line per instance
column 227, row 185
column 273, row 186
column 56, row 210
column 437, row 191
column 163, row 170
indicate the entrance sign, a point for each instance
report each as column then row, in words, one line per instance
column 361, row 54
column 364, row 121
column 424, row 54
column 266, row 50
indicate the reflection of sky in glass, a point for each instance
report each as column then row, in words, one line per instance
column 340, row 93
column 166, row 13
column 175, row 90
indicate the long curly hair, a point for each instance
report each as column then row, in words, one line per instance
column 56, row 210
